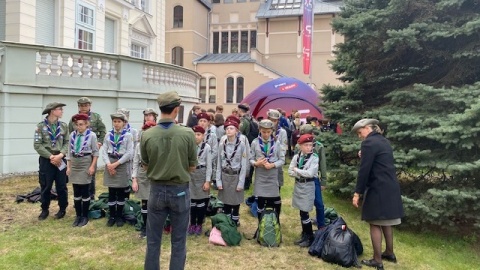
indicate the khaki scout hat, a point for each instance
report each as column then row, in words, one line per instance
column 124, row 112
column 273, row 114
column 118, row 116
column 150, row 111
column 363, row 123
column 265, row 123
column 52, row 106
column 306, row 129
column 168, row 98
column 84, row 100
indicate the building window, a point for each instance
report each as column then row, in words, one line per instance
column 109, row 35
column 216, row 37
column 138, row 51
column 85, row 27
column 203, row 90
column 253, row 39
column 230, row 86
column 144, row 5
column 178, row 17
column 227, row 1
column 224, row 42
column 181, row 111
column 215, row 1
column 212, row 90
column 177, row 56
column 234, row 42
column 240, row 83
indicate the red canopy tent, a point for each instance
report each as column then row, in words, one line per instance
column 285, row 93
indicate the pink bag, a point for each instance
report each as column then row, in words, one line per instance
column 216, row 237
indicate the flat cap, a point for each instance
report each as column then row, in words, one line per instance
column 273, row 114
column 52, row 106
column 265, row 123
column 118, row 115
column 244, row 106
column 233, row 118
column 150, row 111
column 168, row 98
column 199, row 129
column 84, row 100
column 305, row 138
column 203, row 116
column 124, row 112
column 148, row 125
column 306, row 129
column 79, row 116
column 364, row 122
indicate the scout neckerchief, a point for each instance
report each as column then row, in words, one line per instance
column 116, row 140
column 199, row 153
column 229, row 159
column 128, row 127
column 76, row 145
column 268, row 148
column 302, row 160
column 53, row 130
column 208, row 135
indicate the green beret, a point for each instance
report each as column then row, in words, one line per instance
column 52, row 106
column 84, row 100
column 118, row 116
column 363, row 123
column 168, row 98
column 306, row 129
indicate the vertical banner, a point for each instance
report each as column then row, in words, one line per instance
column 307, row 28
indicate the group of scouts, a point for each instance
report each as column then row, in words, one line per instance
column 72, row 151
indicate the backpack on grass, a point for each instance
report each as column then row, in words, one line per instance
column 268, row 233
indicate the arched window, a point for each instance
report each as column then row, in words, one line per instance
column 203, row 90
column 177, row 56
column 240, row 82
column 212, row 90
column 230, row 87
column 178, row 17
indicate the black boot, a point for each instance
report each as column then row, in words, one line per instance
column 308, row 235
column 119, row 220
column 113, row 214
column 301, row 239
column 77, row 204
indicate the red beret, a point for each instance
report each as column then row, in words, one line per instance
column 203, row 116
column 231, row 123
column 305, row 138
column 79, row 116
column 233, row 118
column 148, row 125
column 199, row 129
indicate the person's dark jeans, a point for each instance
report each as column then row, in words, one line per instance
column 48, row 174
column 248, row 178
column 165, row 200
column 319, row 207
column 91, row 187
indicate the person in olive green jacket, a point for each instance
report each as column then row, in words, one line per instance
column 96, row 125
column 51, row 143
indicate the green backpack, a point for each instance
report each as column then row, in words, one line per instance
column 268, row 232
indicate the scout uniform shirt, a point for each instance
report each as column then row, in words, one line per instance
column 51, row 138
column 318, row 149
column 304, row 189
column 117, row 146
column 96, row 125
column 81, row 148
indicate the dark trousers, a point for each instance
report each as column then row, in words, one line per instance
column 49, row 174
column 91, row 187
column 249, row 177
column 318, row 202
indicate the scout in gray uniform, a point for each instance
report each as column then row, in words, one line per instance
column 281, row 136
column 51, row 143
column 200, row 183
column 231, row 171
column 304, row 167
column 116, row 152
column 96, row 125
column 82, row 158
column 210, row 138
column 266, row 155
column 140, row 183
column 135, row 137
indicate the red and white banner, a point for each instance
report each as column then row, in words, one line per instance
column 307, row 28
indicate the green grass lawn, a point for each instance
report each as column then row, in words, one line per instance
column 26, row 243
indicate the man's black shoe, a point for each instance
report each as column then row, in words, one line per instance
column 43, row 215
column 60, row 214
